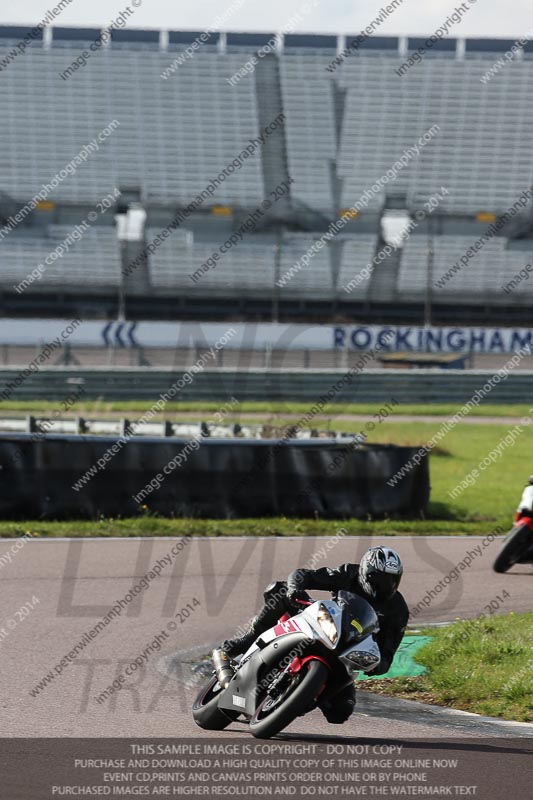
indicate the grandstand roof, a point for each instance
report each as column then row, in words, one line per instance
column 257, row 39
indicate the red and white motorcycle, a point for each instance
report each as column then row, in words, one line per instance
column 289, row 668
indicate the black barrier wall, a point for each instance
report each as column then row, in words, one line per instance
column 59, row 476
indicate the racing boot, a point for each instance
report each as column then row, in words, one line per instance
column 266, row 618
column 240, row 644
column 231, row 648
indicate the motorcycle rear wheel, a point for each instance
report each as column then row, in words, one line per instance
column 271, row 718
column 515, row 546
column 206, row 712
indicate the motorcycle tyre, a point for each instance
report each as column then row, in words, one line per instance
column 515, row 546
column 297, row 703
column 208, row 715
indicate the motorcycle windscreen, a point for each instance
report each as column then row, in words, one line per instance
column 359, row 618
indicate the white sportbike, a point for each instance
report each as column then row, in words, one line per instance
column 289, row 669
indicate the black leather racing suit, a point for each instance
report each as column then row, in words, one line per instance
column 393, row 616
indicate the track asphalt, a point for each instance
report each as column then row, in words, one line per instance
column 75, row 583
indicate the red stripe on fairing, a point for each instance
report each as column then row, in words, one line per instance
column 289, row 626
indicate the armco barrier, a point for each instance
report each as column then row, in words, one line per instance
column 224, row 478
column 219, row 385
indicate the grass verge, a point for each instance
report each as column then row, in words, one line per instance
column 482, row 666
column 102, row 407
column 156, row 526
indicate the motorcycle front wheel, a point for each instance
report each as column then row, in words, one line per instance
column 273, row 714
column 515, row 546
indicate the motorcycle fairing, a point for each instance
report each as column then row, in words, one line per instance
column 306, row 622
column 253, row 669
column 368, row 646
column 289, row 639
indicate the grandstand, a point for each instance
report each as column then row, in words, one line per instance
column 161, row 137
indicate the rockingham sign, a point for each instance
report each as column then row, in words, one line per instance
column 274, row 336
column 431, row 340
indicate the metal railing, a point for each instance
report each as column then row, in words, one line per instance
column 219, row 385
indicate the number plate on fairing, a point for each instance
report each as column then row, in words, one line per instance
column 290, row 626
column 239, row 701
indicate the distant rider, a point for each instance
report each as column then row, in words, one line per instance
column 376, row 579
column 525, row 506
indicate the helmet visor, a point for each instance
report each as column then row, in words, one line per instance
column 384, row 584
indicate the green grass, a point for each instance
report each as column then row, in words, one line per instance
column 266, row 408
column 481, row 666
column 494, row 496
column 276, row 526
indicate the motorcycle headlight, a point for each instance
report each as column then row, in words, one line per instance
column 362, row 659
column 326, row 623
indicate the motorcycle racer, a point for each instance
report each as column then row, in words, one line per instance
column 376, row 578
column 525, row 506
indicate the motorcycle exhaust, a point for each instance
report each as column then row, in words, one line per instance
column 223, row 669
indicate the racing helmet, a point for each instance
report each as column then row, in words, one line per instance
column 380, row 572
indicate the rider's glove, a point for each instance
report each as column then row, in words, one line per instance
column 293, row 596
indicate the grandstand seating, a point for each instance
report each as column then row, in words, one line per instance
column 485, row 274
column 251, row 266
column 94, row 256
column 313, row 279
column 357, row 253
column 310, row 128
column 481, row 153
column 174, row 135
column 246, row 268
column 343, row 130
